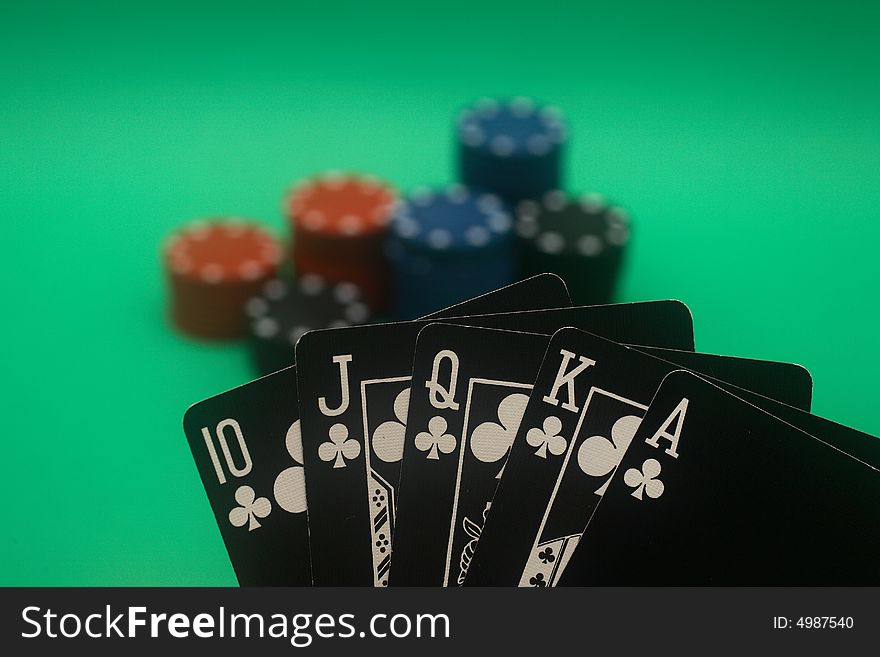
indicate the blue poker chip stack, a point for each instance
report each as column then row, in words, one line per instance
column 511, row 148
column 446, row 246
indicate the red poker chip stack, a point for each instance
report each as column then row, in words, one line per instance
column 213, row 268
column 339, row 224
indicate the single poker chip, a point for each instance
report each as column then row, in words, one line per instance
column 583, row 240
column 285, row 310
column 512, row 148
column 340, row 205
column 213, row 267
column 455, row 221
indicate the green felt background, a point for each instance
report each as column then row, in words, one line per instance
column 743, row 137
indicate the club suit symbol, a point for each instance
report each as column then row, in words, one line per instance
column 645, row 480
column 538, row 580
column 250, row 508
column 546, row 555
column 388, row 437
column 598, row 456
column 435, row 439
column 340, row 447
column 547, row 438
column 290, row 484
column 491, row 440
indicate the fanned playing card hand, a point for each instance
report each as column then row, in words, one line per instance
column 492, row 446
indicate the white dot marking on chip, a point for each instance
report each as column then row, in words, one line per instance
column 527, row 229
column 256, row 307
column 406, row 226
column 457, row 193
column 181, row 265
column 314, row 219
column 487, row 107
column 528, row 209
column 198, row 229
column 488, row 203
column 351, row 224
column 439, row 238
column 618, row 215
column 551, row 114
column 555, row 200
column 522, row 107
column 477, row 236
column 368, row 184
column 346, row 292
column 499, row 222
column 250, row 270
column 275, row 289
column 295, row 204
column 472, row 135
column 502, row 145
column 558, row 133
column 357, row 312
column 212, row 273
column 618, row 234
column 589, row 245
column 538, row 145
column 592, row 202
column 551, row 242
column 333, row 180
column 381, row 214
column 235, row 227
column 311, row 284
column 266, row 327
column 271, row 253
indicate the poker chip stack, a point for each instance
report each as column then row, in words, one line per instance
column 285, row 310
column 581, row 240
column 446, row 246
column 339, row 224
column 511, row 148
column 212, row 268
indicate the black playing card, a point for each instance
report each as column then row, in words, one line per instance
column 715, row 491
column 590, row 395
column 354, row 383
column 785, row 382
column 469, row 389
column 247, row 448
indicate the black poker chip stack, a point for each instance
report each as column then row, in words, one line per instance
column 287, row 309
column 582, row 240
